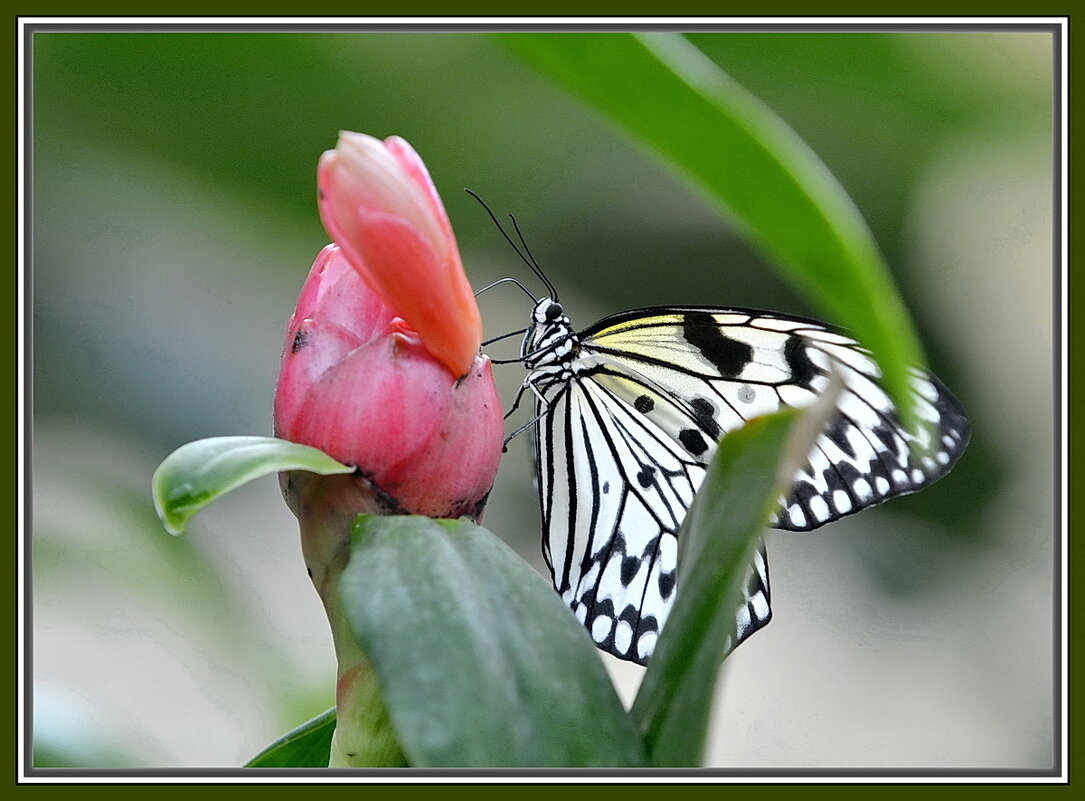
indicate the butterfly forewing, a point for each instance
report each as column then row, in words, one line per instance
column 738, row 364
column 632, row 414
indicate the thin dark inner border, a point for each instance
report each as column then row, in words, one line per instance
column 842, row 26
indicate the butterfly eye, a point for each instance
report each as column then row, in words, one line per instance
column 553, row 312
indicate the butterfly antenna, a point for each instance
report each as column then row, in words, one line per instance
column 504, row 233
column 505, row 336
column 535, row 268
column 505, row 281
column 530, row 262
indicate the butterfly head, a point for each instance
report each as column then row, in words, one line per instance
column 548, row 310
column 550, row 340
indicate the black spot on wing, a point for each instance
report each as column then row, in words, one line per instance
column 834, row 479
column 837, row 433
column 887, row 437
column 705, row 415
column 803, row 371
column 629, row 568
column 753, row 586
column 630, row 614
column 727, row 355
column 848, row 474
column 605, row 609
column 644, row 404
column 666, row 584
column 745, row 631
column 646, row 476
column 692, row 441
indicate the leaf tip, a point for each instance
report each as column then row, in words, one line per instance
column 173, row 523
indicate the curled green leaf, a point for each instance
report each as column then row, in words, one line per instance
column 197, row 473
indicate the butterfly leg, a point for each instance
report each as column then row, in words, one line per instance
column 516, row 401
column 528, row 424
column 543, row 405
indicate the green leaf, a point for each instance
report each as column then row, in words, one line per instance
column 665, row 92
column 197, row 473
column 716, row 543
column 307, row 746
column 480, row 661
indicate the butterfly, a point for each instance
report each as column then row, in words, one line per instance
column 629, row 412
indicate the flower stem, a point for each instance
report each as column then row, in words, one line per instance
column 363, row 736
column 326, row 507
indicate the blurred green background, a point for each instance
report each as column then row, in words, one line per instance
column 174, row 221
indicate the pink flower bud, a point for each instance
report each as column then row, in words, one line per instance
column 358, row 383
column 379, row 205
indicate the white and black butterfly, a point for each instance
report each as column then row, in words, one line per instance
column 629, row 411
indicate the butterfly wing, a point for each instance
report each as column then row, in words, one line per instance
column 718, row 368
column 615, row 488
column 622, row 446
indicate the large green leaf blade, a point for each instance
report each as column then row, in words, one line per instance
column 751, row 469
column 307, row 746
column 665, row 92
column 197, row 473
column 480, row 662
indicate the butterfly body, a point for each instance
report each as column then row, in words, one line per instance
column 550, row 346
column 628, row 415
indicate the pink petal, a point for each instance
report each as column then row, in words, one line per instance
column 424, row 289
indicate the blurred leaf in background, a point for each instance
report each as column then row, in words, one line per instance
column 174, row 220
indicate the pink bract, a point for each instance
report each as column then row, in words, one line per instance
column 379, row 205
column 358, row 383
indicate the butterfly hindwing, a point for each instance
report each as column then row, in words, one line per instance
column 615, row 489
